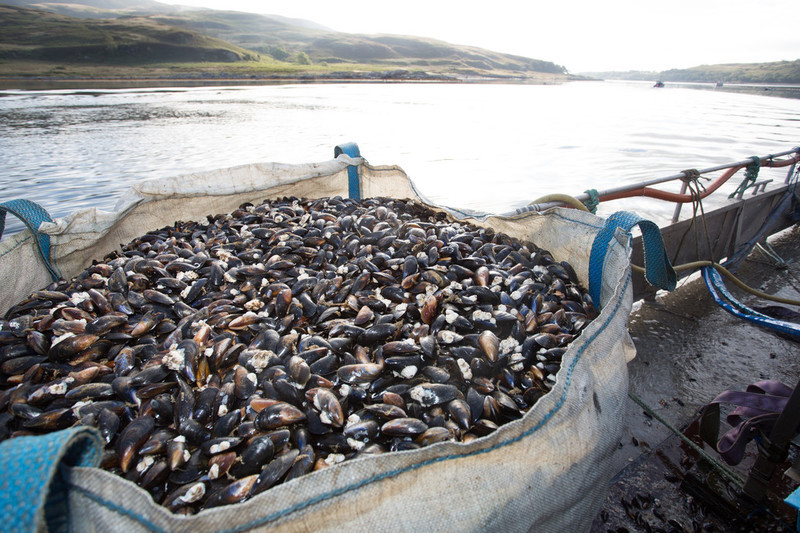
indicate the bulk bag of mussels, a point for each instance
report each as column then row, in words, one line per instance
column 258, row 351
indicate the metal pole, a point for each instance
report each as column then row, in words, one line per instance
column 678, row 206
column 625, row 188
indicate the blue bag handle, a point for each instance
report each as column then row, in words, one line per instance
column 658, row 269
column 32, row 215
column 353, row 181
column 32, row 493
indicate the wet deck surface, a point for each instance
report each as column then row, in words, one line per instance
column 689, row 350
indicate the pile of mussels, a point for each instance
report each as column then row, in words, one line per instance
column 219, row 358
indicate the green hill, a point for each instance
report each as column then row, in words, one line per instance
column 90, row 38
column 27, row 34
column 774, row 72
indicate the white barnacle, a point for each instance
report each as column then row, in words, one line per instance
column 455, row 286
column 79, row 297
column 60, row 338
column 57, row 389
column 223, row 410
column 252, row 377
column 145, row 463
column 466, row 371
column 448, row 337
column 399, row 310
column 334, row 458
column 174, row 359
column 218, row 448
column 355, row 444
column 497, row 280
column 422, row 395
column 508, row 345
column 254, row 305
column 195, row 492
column 234, row 292
column 344, row 390
column 225, row 255
column 76, row 408
column 260, row 359
column 450, row 315
column 486, row 316
column 185, row 292
column 353, row 419
column 303, row 275
column 387, row 302
column 409, row 372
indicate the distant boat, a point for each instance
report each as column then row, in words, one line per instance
column 659, row 83
column 718, row 84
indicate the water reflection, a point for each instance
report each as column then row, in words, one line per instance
column 488, row 147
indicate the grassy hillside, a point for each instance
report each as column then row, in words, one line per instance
column 273, row 36
column 42, row 36
column 776, row 72
column 135, row 33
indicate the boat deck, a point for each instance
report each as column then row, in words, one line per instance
column 688, row 351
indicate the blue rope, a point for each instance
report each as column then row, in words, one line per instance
column 32, row 215
column 728, row 302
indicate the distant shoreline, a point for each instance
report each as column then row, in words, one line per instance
column 400, row 76
column 156, row 82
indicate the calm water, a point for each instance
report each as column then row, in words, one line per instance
column 486, row 147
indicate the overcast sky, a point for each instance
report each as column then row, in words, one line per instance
column 582, row 35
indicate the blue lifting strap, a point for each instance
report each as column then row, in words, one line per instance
column 658, row 269
column 31, row 214
column 353, row 181
column 33, row 492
